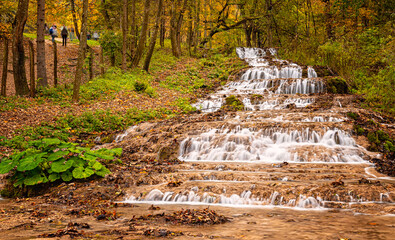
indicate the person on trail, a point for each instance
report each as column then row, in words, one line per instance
column 95, row 36
column 65, row 33
column 53, row 32
column 71, row 34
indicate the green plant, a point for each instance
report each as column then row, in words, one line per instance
column 111, row 44
column 337, row 85
column 184, row 105
column 233, row 103
column 50, row 159
column 353, row 115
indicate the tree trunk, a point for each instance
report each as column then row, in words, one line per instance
column 162, row 29
column 143, row 36
column 175, row 28
column 81, row 53
column 73, row 14
column 18, row 51
column 32, row 74
column 124, row 33
column 5, row 69
column 190, row 31
column 328, row 19
column 41, row 64
column 153, row 38
column 197, row 25
column 101, row 61
column 133, row 28
column 91, row 56
column 55, row 64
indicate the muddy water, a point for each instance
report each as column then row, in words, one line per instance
column 284, row 166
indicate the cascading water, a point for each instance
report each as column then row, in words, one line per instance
column 274, row 130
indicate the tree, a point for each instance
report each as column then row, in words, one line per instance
column 154, row 36
column 175, row 27
column 124, row 33
column 18, row 51
column 81, row 52
column 41, row 64
column 143, row 35
column 5, row 69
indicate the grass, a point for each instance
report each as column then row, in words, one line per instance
column 33, row 36
column 84, row 128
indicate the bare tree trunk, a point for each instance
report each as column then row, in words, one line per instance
column 175, row 28
column 133, row 28
column 162, row 29
column 73, row 14
column 101, row 61
column 197, row 25
column 190, row 31
column 91, row 56
column 55, row 64
column 124, row 33
column 41, row 64
column 5, row 69
column 81, row 53
column 32, row 74
column 21, row 86
column 153, row 38
column 143, row 36
column 328, row 19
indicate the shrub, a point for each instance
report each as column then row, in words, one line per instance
column 50, row 160
column 233, row 103
column 337, row 85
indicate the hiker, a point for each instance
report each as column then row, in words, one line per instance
column 88, row 35
column 71, row 34
column 53, row 32
column 65, row 33
column 95, row 35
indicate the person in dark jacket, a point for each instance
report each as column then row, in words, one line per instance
column 65, row 33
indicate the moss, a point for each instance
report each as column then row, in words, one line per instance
column 372, row 137
column 337, row 85
column 256, row 98
column 359, row 130
column 353, row 115
column 389, row 147
column 233, row 103
column 382, row 136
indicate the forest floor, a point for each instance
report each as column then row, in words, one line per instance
column 94, row 209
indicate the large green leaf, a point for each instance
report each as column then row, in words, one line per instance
column 53, row 177
column 102, row 155
column 103, row 172
column 78, row 162
column 89, row 157
column 97, row 166
column 61, row 165
column 33, row 179
column 67, row 176
column 82, row 173
column 30, row 162
column 51, row 141
column 7, row 165
column 56, row 155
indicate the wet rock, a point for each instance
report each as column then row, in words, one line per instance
column 152, row 207
column 161, row 233
column 337, row 183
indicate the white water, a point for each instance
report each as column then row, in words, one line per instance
column 271, row 145
column 279, row 88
